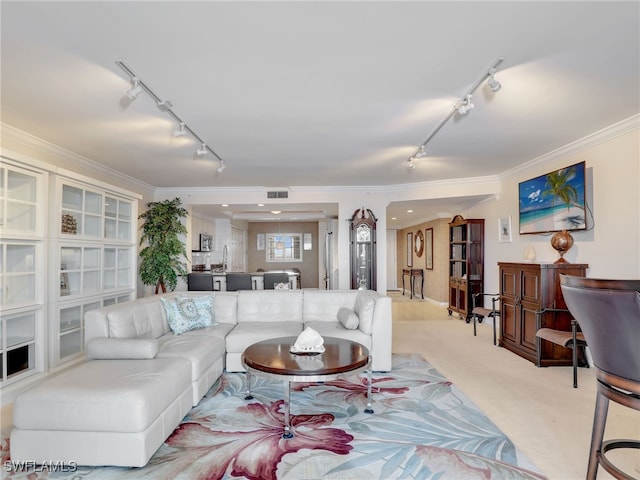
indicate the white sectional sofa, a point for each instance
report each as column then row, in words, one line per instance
column 141, row 379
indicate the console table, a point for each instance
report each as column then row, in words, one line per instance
column 413, row 273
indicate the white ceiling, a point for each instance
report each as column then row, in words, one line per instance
column 305, row 93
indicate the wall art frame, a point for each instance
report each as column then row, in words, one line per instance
column 504, row 229
column 428, row 246
column 206, row 242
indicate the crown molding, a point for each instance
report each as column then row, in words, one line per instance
column 23, row 138
column 601, row 136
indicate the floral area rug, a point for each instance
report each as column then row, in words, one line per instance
column 422, row 428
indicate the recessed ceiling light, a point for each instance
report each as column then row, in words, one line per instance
column 261, row 204
column 225, row 204
column 394, row 218
column 276, row 212
column 409, row 211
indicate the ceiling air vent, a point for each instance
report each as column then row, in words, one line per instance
column 284, row 194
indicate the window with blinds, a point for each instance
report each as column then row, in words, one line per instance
column 284, row 247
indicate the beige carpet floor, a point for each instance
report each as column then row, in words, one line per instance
column 537, row 408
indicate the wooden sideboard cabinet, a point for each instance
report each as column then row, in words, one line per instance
column 526, row 288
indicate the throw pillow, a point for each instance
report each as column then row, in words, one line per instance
column 189, row 313
column 348, row 318
column 365, row 304
column 281, row 286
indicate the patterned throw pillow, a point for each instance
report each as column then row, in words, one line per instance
column 189, row 312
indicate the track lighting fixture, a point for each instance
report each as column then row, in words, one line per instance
column 135, row 89
column 462, row 106
column 465, row 105
column 138, row 86
column 494, row 85
column 421, row 153
column 180, row 131
column 164, row 105
column 202, row 151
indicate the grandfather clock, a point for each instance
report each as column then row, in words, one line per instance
column 363, row 249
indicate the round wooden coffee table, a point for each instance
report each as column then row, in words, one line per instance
column 272, row 359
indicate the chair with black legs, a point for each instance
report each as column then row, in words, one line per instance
column 608, row 312
column 572, row 339
column 479, row 311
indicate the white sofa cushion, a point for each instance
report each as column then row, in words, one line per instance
column 364, row 307
column 248, row 333
column 104, row 396
column 348, row 318
column 122, row 348
column 225, row 307
column 323, row 305
column 202, row 351
column 139, row 319
column 267, row 306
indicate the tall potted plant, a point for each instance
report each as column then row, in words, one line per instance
column 161, row 260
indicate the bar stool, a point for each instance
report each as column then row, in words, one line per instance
column 608, row 312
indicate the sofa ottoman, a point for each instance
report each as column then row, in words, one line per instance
column 103, row 412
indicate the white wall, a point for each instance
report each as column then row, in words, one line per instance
column 611, row 246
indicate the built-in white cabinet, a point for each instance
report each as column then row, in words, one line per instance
column 23, row 192
column 68, row 244
column 94, row 257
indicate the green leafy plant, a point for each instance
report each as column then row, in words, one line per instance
column 161, row 260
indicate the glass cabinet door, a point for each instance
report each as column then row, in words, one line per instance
column 117, row 268
column 80, row 270
column 81, row 212
column 71, row 329
column 117, row 218
column 18, row 194
column 17, row 274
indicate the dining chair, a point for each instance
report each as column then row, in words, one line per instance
column 238, row 281
column 608, row 312
column 271, row 279
column 199, row 281
column 479, row 311
column 572, row 339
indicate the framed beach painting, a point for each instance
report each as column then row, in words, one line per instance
column 553, row 202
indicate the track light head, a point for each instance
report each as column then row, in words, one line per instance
column 465, row 105
column 135, row 89
column 180, row 131
column 411, row 164
column 221, row 167
column 421, row 153
column 494, row 85
column 202, row 151
column 164, row 105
